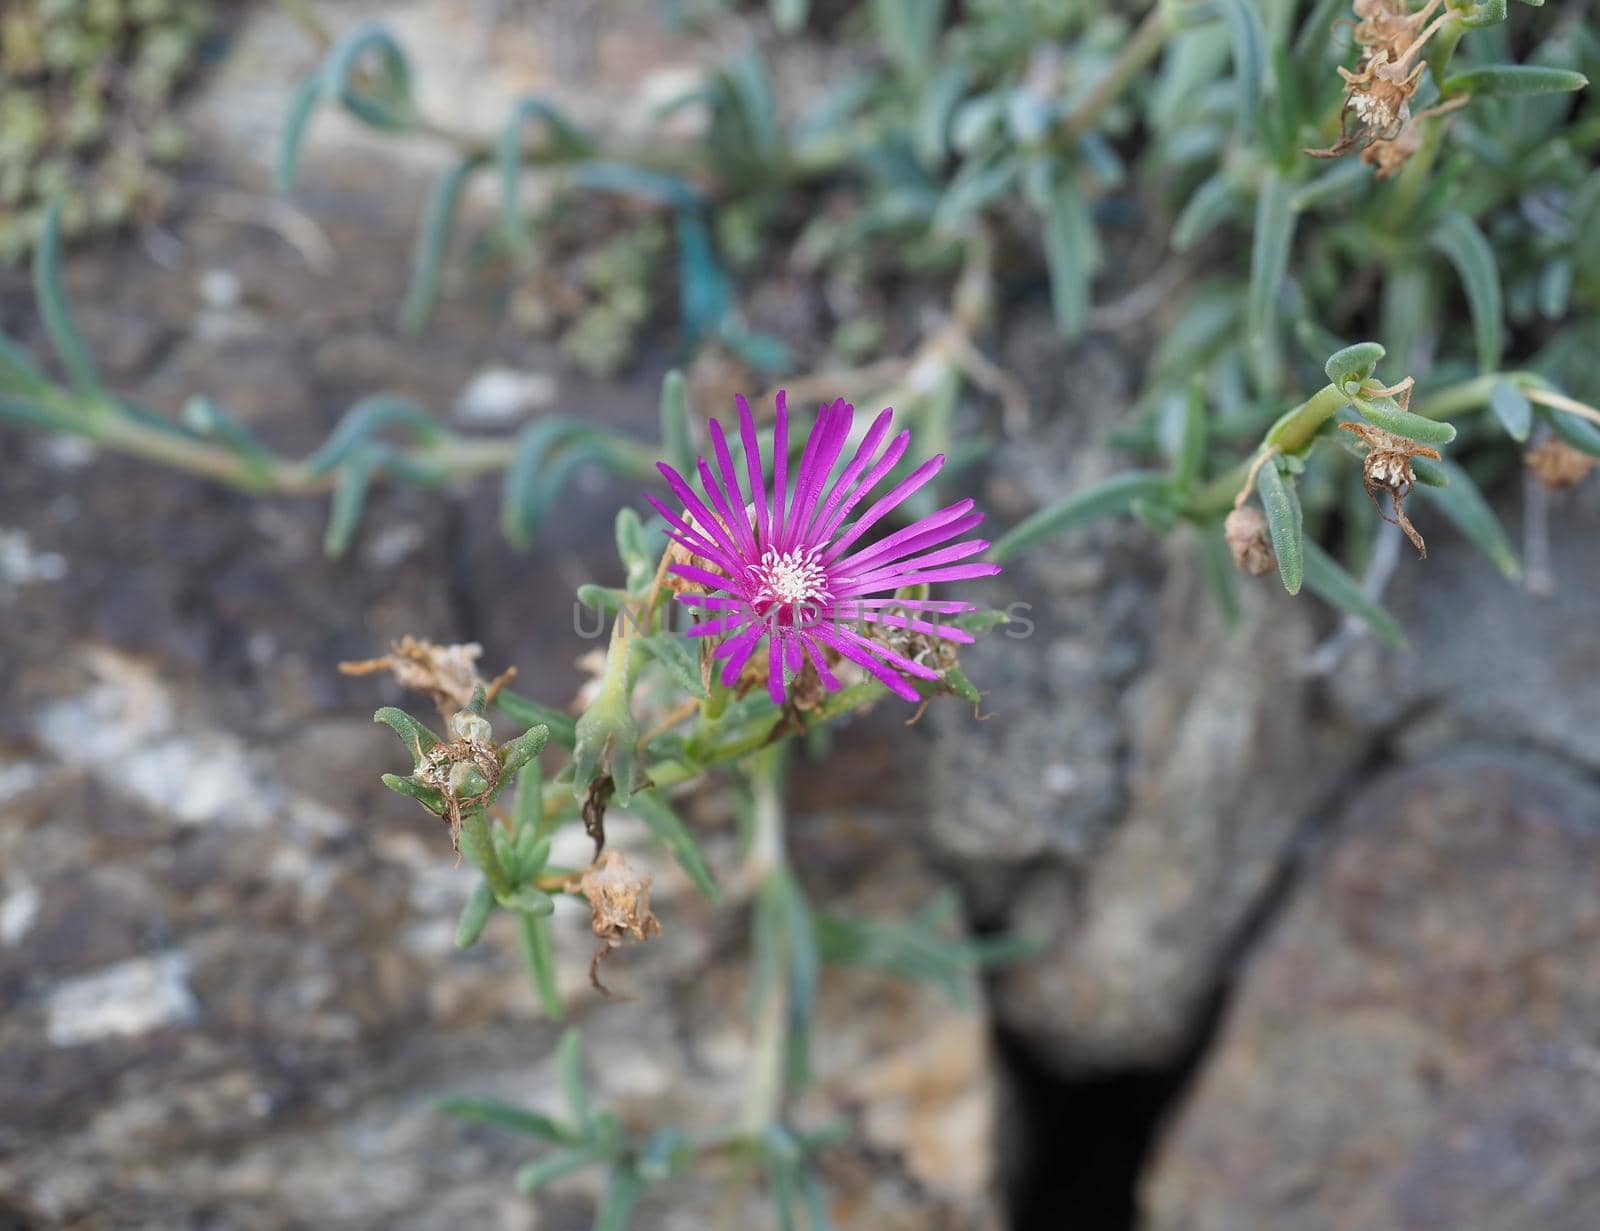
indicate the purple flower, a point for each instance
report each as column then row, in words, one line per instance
column 786, row 568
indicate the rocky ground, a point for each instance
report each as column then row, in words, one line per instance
column 1341, row 922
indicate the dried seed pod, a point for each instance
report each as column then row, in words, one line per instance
column 1387, row 472
column 1557, row 465
column 1245, row 532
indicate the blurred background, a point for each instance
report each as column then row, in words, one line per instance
column 1319, row 920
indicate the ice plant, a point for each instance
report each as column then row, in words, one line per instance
column 782, row 567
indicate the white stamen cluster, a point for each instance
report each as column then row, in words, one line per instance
column 1389, row 469
column 789, row 577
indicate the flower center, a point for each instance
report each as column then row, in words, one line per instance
column 791, row 578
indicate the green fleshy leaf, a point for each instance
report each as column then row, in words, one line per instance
column 1114, row 496
column 427, row 796
column 623, row 1191
column 527, row 808
column 664, row 822
column 979, row 183
column 665, row 1154
column 1460, row 240
column 675, row 442
column 349, row 498
column 569, row 1068
column 1249, row 41
column 930, row 135
column 1272, row 240
column 1512, row 81
column 475, row 916
column 1353, row 363
column 680, row 656
column 1327, row 579
column 539, row 956
column 526, row 712
column 1575, row 431
column 1388, row 414
column 54, row 309
column 554, row 1166
column 19, row 373
column 382, row 96
column 27, row 414
column 416, row 737
column 433, row 238
column 565, row 140
column 364, row 421
column 303, row 105
column 1512, row 408
column 519, row 752
column 495, row 1113
column 1072, row 253
column 530, row 901
column 1285, row 524
column 1211, row 204
column 608, row 599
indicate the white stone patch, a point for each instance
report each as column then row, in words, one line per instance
column 497, row 396
column 130, row 998
column 127, row 731
column 18, row 910
column 17, row 778
column 20, row 565
column 392, row 544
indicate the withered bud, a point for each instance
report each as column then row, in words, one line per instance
column 1387, row 471
column 619, row 897
column 1557, row 465
column 447, row 673
column 1248, row 541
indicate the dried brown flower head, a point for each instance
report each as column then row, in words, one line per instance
column 447, row 673
column 619, row 898
column 1245, row 532
column 1557, row 465
column 1378, row 92
column 465, row 769
column 1387, row 472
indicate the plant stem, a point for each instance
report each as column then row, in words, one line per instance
column 1136, row 54
column 454, row 456
column 768, row 1081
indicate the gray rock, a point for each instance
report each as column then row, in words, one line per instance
column 1414, row 1047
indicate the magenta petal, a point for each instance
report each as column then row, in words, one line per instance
column 833, row 429
column 730, row 485
column 775, row 669
column 858, row 463
column 887, row 676
column 682, row 532
column 737, row 651
column 780, row 465
column 896, row 496
column 719, row 499
column 819, row 660
column 691, row 572
column 953, row 572
column 917, row 564
column 898, row 661
column 945, row 632
column 752, row 462
column 891, row 458
column 948, row 523
column 718, row 627
column 703, row 516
